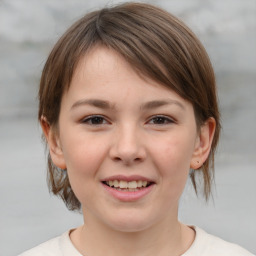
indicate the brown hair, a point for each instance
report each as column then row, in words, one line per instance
column 157, row 45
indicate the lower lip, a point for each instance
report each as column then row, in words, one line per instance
column 128, row 196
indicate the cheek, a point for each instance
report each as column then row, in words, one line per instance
column 175, row 165
column 175, row 152
column 83, row 163
column 83, row 155
column 172, row 158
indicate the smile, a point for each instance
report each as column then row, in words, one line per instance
column 123, row 185
column 128, row 188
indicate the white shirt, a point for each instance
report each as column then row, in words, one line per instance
column 203, row 245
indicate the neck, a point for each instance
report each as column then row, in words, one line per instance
column 168, row 237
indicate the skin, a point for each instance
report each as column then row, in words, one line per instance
column 129, row 136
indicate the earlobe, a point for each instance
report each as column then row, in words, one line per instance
column 54, row 144
column 203, row 144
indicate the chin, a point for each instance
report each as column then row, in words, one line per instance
column 130, row 223
column 129, row 227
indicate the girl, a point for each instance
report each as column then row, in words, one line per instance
column 128, row 107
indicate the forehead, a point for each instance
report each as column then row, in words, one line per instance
column 103, row 63
column 104, row 74
column 102, row 66
column 100, row 59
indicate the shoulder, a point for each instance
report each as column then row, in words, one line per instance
column 209, row 245
column 50, row 247
column 58, row 246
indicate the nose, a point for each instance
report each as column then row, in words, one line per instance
column 127, row 146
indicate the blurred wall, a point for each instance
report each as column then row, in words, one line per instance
column 28, row 30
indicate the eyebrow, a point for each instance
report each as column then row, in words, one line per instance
column 93, row 102
column 160, row 103
column 103, row 104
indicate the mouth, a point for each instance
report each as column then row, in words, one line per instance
column 128, row 186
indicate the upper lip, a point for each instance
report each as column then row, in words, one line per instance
column 127, row 178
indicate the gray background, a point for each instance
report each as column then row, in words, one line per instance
column 28, row 30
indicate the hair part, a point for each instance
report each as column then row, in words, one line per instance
column 158, row 46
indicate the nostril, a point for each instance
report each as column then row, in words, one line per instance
column 127, row 161
column 127, row 155
column 117, row 159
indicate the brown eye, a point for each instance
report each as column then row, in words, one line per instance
column 94, row 120
column 160, row 120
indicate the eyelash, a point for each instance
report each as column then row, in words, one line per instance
column 101, row 120
column 162, row 120
column 90, row 119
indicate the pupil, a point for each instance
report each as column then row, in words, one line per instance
column 159, row 120
column 97, row 120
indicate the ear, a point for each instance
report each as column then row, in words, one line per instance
column 203, row 144
column 54, row 144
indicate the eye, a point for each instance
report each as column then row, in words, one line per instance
column 161, row 120
column 95, row 120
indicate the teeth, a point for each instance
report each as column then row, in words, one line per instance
column 144, row 183
column 132, row 184
column 115, row 183
column 139, row 183
column 124, row 184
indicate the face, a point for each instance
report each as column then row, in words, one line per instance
column 127, row 143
